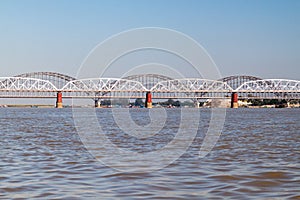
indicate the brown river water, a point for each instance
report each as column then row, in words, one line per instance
column 256, row 157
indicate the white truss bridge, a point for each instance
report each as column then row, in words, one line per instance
column 48, row 84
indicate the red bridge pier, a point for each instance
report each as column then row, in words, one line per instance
column 59, row 103
column 148, row 102
column 234, row 100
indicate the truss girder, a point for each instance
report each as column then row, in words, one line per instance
column 174, row 88
column 16, row 84
column 235, row 81
column 48, row 75
column 57, row 79
column 103, row 85
column 191, row 86
column 270, row 85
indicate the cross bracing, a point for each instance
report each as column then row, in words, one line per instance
column 47, row 84
column 25, row 84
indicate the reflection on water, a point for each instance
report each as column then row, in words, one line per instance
column 257, row 156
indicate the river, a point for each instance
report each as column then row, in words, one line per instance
column 256, row 157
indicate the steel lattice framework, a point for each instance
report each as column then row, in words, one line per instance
column 103, row 84
column 270, row 89
column 191, row 85
column 47, row 84
column 104, row 88
column 148, row 80
column 236, row 81
column 273, row 85
column 26, row 87
column 191, row 88
column 57, row 79
column 18, row 84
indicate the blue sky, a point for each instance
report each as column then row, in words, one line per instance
column 254, row 37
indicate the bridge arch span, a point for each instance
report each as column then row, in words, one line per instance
column 191, row 85
column 23, row 84
column 270, row 85
column 148, row 80
column 57, row 79
column 236, row 81
column 103, row 84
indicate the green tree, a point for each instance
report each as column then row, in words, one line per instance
column 139, row 102
column 106, row 102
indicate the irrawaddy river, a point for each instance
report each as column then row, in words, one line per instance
column 257, row 156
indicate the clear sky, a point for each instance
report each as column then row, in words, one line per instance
column 253, row 37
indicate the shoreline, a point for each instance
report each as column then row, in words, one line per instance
column 91, row 106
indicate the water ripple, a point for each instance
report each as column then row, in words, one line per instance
column 257, row 156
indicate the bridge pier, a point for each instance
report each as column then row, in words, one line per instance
column 59, row 103
column 197, row 103
column 97, row 103
column 234, row 100
column 148, row 102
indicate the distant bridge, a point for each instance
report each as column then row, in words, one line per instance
column 153, row 86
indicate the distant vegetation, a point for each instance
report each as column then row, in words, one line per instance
column 258, row 102
column 188, row 103
column 140, row 103
column 276, row 102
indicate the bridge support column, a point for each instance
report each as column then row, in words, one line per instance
column 59, row 103
column 234, row 100
column 197, row 103
column 148, row 102
column 97, row 103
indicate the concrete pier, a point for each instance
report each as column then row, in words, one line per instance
column 148, row 102
column 197, row 103
column 97, row 103
column 59, row 103
column 234, row 100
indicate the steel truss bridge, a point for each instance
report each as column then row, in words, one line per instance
column 52, row 85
